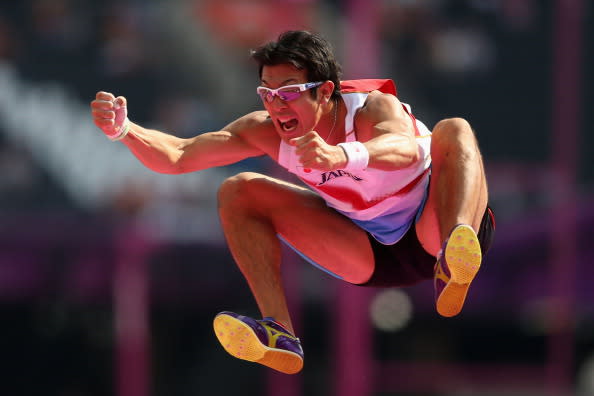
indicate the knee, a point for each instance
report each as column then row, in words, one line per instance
column 453, row 136
column 236, row 189
column 452, row 130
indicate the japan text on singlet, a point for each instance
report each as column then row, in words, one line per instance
column 384, row 203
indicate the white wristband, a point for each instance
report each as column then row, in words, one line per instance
column 357, row 156
column 121, row 132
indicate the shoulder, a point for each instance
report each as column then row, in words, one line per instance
column 380, row 106
column 256, row 123
column 251, row 121
column 381, row 113
column 378, row 99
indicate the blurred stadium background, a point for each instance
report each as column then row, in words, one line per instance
column 110, row 275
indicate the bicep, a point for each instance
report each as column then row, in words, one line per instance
column 388, row 133
column 384, row 114
column 235, row 142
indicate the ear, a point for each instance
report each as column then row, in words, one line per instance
column 326, row 91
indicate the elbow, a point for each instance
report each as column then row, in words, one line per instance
column 165, row 167
column 408, row 157
column 416, row 155
column 176, row 168
column 407, row 160
column 177, row 163
column 412, row 155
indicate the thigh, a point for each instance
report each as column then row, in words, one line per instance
column 304, row 220
column 458, row 187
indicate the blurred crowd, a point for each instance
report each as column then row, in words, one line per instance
column 184, row 67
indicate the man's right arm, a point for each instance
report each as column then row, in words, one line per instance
column 166, row 153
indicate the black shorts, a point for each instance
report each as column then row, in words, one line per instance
column 406, row 262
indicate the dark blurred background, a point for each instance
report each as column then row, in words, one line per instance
column 110, row 275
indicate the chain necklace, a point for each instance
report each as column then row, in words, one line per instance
column 333, row 122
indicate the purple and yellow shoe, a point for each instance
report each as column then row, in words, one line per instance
column 262, row 341
column 457, row 264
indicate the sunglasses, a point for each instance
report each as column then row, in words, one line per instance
column 286, row 93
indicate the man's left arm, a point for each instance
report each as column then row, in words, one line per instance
column 387, row 132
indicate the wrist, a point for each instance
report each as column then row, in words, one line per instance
column 120, row 131
column 357, row 156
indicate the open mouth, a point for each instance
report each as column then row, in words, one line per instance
column 288, row 125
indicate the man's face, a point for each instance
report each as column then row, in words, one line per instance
column 292, row 118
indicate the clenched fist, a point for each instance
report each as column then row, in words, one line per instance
column 110, row 115
column 315, row 153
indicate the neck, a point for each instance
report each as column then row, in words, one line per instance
column 332, row 120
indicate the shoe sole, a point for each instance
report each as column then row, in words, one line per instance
column 240, row 341
column 463, row 256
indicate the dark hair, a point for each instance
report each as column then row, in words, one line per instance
column 304, row 50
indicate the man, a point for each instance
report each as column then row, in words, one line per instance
column 392, row 203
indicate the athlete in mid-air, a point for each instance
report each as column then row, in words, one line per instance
column 385, row 201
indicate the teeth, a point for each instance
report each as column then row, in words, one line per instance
column 288, row 125
column 287, row 129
